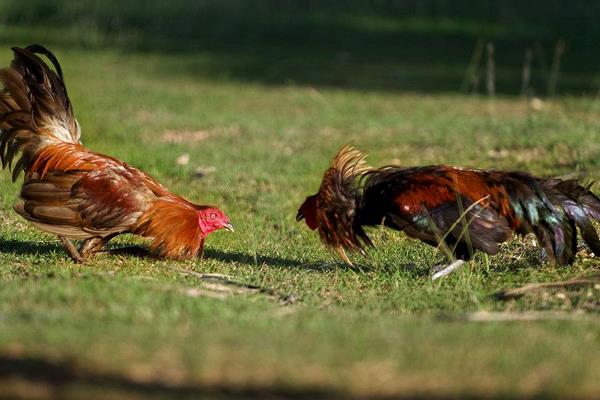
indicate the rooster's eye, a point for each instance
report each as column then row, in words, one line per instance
column 213, row 216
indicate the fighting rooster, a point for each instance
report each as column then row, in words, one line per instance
column 75, row 193
column 459, row 210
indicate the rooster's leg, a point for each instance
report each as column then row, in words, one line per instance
column 443, row 270
column 73, row 253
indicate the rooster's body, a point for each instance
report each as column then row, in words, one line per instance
column 78, row 194
column 462, row 209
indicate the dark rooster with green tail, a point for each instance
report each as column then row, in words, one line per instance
column 459, row 210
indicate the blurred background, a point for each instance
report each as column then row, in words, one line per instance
column 536, row 47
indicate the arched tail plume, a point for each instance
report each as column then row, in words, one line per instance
column 35, row 110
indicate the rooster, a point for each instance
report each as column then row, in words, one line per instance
column 459, row 210
column 75, row 193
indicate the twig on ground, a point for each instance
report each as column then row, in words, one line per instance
column 447, row 269
column 197, row 292
column 530, row 287
column 224, row 284
column 505, row 316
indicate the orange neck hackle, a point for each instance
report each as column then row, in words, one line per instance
column 178, row 227
column 332, row 210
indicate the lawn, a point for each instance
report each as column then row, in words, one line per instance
column 305, row 326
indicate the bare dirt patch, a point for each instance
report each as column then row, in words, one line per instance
column 184, row 136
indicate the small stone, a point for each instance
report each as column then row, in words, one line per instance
column 183, row 159
column 536, row 104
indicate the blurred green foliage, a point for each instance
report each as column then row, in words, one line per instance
column 333, row 43
column 246, row 21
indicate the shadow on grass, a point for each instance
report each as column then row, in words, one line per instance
column 18, row 247
column 276, row 262
column 59, row 378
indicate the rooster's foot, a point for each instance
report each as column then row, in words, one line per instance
column 92, row 246
column 439, row 270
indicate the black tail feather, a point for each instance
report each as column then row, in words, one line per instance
column 581, row 206
column 40, row 71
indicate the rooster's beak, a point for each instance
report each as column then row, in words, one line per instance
column 229, row 227
column 299, row 216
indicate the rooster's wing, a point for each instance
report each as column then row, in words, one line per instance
column 84, row 204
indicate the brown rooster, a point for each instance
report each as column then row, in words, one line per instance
column 75, row 193
column 460, row 210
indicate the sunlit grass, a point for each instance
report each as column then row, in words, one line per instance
column 382, row 328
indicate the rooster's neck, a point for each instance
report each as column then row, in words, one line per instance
column 172, row 224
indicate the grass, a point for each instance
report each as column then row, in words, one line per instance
column 122, row 327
